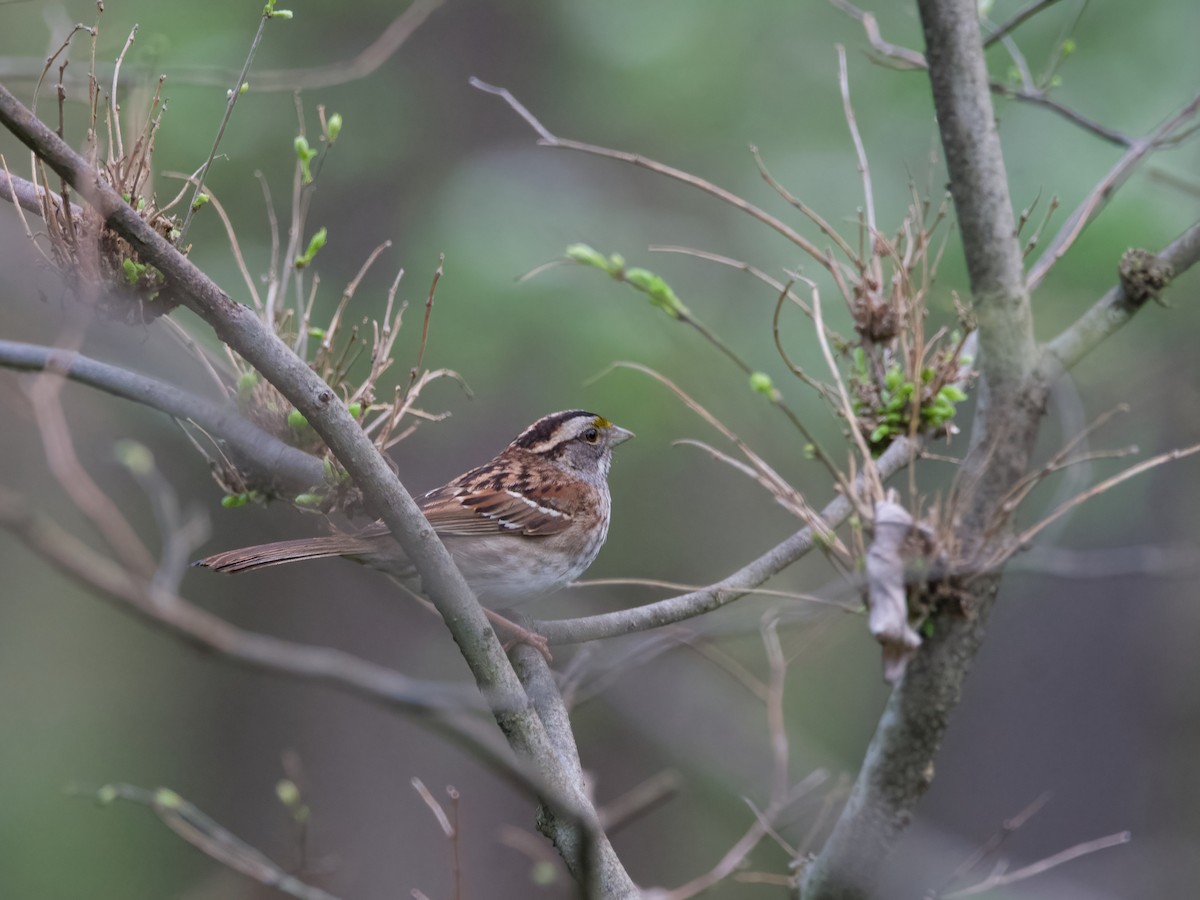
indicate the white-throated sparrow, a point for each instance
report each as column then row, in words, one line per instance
column 521, row 526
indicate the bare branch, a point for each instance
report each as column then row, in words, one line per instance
column 1145, row 465
column 729, row 589
column 1044, row 865
column 24, row 193
column 1019, row 18
column 1105, row 189
column 268, row 457
column 1113, row 310
column 289, row 81
column 904, row 58
column 547, row 139
column 212, row 838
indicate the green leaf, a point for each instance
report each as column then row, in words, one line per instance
column 304, row 154
column 309, row 500
column 333, row 127
column 296, row 419
column 133, row 271
column 582, row 253
column 315, row 243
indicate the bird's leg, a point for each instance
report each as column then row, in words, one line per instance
column 518, row 634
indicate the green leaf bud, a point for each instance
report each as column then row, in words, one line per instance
column 582, row 253
column 167, row 799
column 760, row 382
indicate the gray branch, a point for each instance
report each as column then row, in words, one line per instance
column 898, row 767
column 270, row 459
column 239, row 328
column 1115, row 308
column 730, row 588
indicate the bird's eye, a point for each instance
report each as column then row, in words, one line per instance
column 591, row 435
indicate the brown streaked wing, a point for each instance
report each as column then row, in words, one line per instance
column 451, row 510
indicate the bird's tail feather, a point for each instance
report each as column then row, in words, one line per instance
column 247, row 559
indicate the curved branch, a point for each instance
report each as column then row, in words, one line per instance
column 239, row 328
column 730, row 588
column 27, row 195
column 1114, row 309
column 430, row 702
column 272, row 460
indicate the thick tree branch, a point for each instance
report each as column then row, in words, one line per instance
column 271, row 459
column 240, row 329
column 595, row 865
column 898, row 767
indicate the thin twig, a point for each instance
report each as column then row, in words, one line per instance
column 234, row 93
column 1170, row 456
column 547, row 139
column 1044, row 865
column 1018, row 19
column 211, row 838
column 1104, row 190
column 732, row 587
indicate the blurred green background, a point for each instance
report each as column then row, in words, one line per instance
column 1086, row 688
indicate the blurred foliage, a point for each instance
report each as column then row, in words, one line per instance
column 436, row 167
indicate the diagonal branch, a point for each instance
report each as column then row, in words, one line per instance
column 240, row 329
column 907, row 59
column 1104, row 190
column 1115, row 308
column 724, row 592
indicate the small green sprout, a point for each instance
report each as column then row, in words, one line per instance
column 133, row 271
column 304, row 154
column 310, row 501
column 760, row 383
column 315, row 243
column 200, row 200
column 333, row 127
column 296, row 419
column 653, row 286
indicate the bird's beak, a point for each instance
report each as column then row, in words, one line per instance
column 618, row 435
